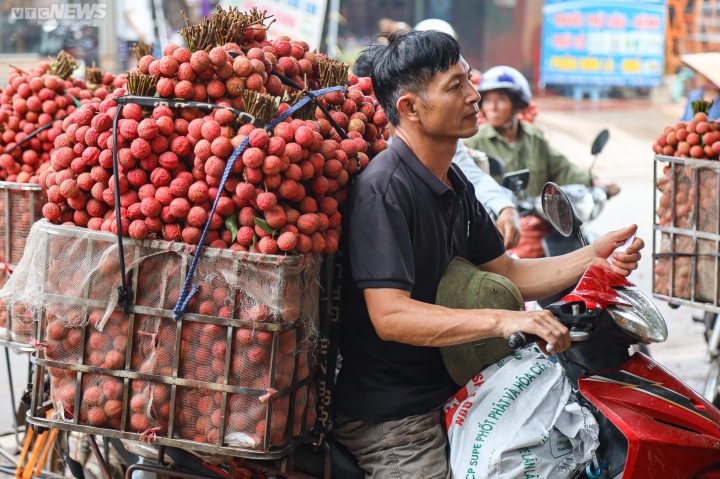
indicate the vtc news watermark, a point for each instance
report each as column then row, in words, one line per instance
column 62, row 14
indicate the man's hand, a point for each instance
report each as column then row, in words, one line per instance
column 508, row 223
column 540, row 323
column 611, row 188
column 623, row 263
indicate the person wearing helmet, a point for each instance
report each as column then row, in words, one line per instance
column 505, row 92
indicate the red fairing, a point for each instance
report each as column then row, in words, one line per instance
column 596, row 289
column 672, row 432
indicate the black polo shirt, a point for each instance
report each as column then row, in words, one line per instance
column 403, row 226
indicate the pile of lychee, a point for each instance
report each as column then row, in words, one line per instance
column 30, row 101
column 699, row 139
column 283, row 192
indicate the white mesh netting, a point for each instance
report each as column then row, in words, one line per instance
column 69, row 277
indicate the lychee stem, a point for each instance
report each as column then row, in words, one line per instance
column 141, row 49
column 260, row 105
column 198, row 37
column 332, row 72
column 18, row 69
column 141, row 84
column 306, row 112
column 93, row 75
column 64, row 65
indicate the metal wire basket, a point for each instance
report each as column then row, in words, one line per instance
column 686, row 232
column 254, row 399
column 20, row 208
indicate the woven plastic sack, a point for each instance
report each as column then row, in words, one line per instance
column 519, row 418
column 68, row 279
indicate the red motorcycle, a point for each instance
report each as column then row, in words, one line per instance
column 652, row 425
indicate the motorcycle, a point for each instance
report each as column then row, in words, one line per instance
column 651, row 423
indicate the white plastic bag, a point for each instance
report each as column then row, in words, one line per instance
column 519, row 419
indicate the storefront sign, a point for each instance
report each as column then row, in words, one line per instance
column 603, row 42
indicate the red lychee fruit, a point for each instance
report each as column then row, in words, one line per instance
column 97, row 416
column 218, row 57
column 200, row 61
column 287, row 241
column 268, row 245
column 265, row 201
column 197, row 216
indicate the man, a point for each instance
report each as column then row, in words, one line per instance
column 505, row 92
column 409, row 213
column 496, row 199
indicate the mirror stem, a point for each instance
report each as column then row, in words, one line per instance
column 581, row 237
column 592, row 165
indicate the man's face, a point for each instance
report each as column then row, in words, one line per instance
column 449, row 107
column 497, row 108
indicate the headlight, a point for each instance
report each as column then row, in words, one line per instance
column 642, row 320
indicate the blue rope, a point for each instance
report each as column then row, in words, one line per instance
column 187, row 293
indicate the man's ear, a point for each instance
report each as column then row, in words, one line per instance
column 407, row 106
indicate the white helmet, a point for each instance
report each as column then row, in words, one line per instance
column 509, row 79
column 436, row 24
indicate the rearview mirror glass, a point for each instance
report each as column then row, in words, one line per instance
column 558, row 209
column 599, row 142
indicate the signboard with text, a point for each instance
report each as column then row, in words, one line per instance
column 586, row 42
column 301, row 20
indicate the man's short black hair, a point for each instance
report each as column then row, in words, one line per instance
column 408, row 63
column 363, row 64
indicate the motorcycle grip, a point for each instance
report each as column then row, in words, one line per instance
column 518, row 340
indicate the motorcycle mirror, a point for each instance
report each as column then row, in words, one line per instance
column 497, row 167
column 600, row 142
column 516, row 181
column 559, row 210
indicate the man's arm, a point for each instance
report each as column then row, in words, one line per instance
column 540, row 278
column 494, row 198
column 397, row 317
column 562, row 171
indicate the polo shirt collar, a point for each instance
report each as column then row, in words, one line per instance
column 435, row 184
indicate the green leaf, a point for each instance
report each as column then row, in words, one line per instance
column 231, row 224
column 264, row 226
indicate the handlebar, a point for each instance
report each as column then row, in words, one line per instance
column 519, row 339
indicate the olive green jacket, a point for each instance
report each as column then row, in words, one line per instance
column 531, row 151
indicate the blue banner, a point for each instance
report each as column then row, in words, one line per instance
column 620, row 43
